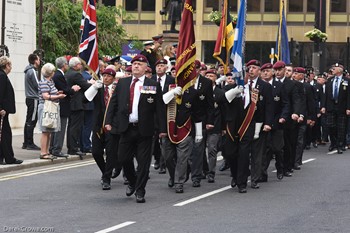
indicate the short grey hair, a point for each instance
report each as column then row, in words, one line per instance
column 60, row 62
column 48, row 70
column 74, row 61
column 4, row 60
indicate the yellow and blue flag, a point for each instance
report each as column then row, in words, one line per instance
column 282, row 46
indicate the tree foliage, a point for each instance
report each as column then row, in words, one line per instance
column 61, row 24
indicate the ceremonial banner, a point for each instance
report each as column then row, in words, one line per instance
column 224, row 41
column 186, row 50
column 88, row 50
column 282, row 46
column 237, row 54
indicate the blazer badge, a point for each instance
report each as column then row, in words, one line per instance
column 149, row 90
column 276, row 98
column 201, row 97
column 216, row 105
column 188, row 105
column 150, row 100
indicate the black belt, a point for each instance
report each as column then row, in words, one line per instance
column 135, row 124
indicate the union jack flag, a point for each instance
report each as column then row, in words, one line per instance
column 88, row 50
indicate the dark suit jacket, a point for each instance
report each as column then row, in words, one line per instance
column 280, row 104
column 7, row 94
column 168, row 80
column 61, row 85
column 291, row 90
column 309, row 102
column 264, row 106
column 205, row 101
column 76, row 78
column 149, row 104
column 219, row 111
column 343, row 97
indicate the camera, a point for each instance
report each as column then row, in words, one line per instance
column 162, row 11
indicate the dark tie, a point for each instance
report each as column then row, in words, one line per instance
column 159, row 79
column 106, row 95
column 336, row 91
column 132, row 88
column 250, row 85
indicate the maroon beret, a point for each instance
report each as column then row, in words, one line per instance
column 266, row 66
column 211, row 71
column 172, row 68
column 299, row 70
column 162, row 61
column 198, row 64
column 253, row 62
column 128, row 69
column 338, row 65
column 109, row 71
column 279, row 65
column 140, row 58
column 203, row 67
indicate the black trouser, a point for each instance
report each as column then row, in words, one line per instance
column 337, row 123
column 75, row 124
column 156, row 150
column 132, row 143
column 290, row 144
column 109, row 142
column 237, row 155
column 257, row 149
column 31, row 119
column 274, row 146
column 6, row 150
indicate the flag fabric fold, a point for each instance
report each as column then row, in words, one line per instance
column 224, row 41
column 237, row 54
column 88, row 50
column 186, row 50
column 282, row 46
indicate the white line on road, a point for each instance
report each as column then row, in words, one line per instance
column 45, row 170
column 305, row 161
column 332, row 152
column 203, row 196
column 116, row 227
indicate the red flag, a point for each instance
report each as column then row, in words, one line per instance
column 88, row 50
column 224, row 41
column 186, row 50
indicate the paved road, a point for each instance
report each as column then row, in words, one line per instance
column 68, row 198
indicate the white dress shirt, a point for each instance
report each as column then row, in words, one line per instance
column 134, row 115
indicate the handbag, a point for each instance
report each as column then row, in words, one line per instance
column 50, row 115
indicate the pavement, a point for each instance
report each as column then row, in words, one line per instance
column 31, row 157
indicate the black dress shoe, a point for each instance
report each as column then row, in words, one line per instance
column 16, row 161
column 196, row 184
column 280, row 176
column 287, row 174
column 343, row 148
column 106, row 186
column 140, row 199
column 179, row 188
column 32, row 147
column 224, row 166
column 126, row 181
column 314, row 144
column 296, row 167
column 339, row 151
column 162, row 170
column 254, row 185
column 331, row 148
column 24, row 146
column 130, row 189
column 115, row 172
column 242, row 190
column 156, row 165
column 170, row 183
column 233, row 183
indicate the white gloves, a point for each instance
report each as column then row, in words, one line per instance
column 98, row 84
column 199, row 135
column 220, row 80
column 257, row 130
column 167, row 97
column 233, row 93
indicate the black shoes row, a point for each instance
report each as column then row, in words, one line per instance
column 30, row 147
column 16, row 161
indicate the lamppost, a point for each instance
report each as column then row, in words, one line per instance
column 3, row 48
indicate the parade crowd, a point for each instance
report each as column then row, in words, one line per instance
column 128, row 113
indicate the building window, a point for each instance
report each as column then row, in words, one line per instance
column 233, row 5
column 311, row 7
column 272, row 6
column 108, row 2
column 296, row 6
column 150, row 5
column 253, row 6
column 214, row 4
column 338, row 5
column 131, row 5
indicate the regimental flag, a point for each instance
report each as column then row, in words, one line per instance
column 237, row 54
column 186, row 50
column 224, row 41
column 282, row 46
column 88, row 50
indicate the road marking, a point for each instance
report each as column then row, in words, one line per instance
column 332, row 152
column 116, row 227
column 45, row 170
column 305, row 161
column 203, row 196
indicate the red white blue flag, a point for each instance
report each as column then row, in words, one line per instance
column 88, row 50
